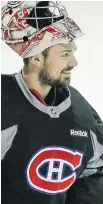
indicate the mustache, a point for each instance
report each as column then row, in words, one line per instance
column 67, row 69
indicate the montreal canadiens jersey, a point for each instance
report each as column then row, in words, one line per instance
column 46, row 149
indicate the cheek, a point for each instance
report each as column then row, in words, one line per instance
column 55, row 67
column 60, row 64
column 52, row 67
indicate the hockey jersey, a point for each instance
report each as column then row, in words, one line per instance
column 46, row 149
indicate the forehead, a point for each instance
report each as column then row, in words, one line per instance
column 63, row 47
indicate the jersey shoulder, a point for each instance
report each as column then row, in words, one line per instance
column 9, row 98
column 84, row 112
column 7, row 83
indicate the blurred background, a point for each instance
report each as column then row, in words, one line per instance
column 87, row 77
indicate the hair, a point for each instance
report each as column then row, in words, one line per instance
column 26, row 60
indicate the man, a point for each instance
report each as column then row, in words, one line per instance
column 52, row 139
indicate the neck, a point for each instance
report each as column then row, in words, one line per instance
column 32, row 82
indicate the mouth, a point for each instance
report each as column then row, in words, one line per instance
column 66, row 72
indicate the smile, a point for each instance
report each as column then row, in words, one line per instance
column 66, row 72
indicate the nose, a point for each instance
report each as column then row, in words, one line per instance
column 72, row 62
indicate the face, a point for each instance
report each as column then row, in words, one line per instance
column 58, row 65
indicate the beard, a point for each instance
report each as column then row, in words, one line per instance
column 45, row 79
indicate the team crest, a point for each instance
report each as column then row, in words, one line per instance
column 52, row 170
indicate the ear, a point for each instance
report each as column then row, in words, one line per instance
column 37, row 60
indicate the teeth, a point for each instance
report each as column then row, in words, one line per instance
column 66, row 72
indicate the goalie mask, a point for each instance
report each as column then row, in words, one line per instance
column 29, row 27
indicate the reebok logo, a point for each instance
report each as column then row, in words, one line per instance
column 79, row 133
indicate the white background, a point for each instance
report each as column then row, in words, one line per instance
column 87, row 77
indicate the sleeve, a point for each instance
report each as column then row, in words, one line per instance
column 87, row 116
column 88, row 189
column 9, row 123
column 7, row 137
column 95, row 165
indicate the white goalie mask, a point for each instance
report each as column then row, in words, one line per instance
column 29, row 27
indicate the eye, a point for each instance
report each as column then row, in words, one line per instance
column 66, row 54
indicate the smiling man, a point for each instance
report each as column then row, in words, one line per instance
column 50, row 68
column 52, row 139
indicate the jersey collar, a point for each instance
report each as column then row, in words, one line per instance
column 52, row 111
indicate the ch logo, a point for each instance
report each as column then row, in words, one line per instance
column 46, row 169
